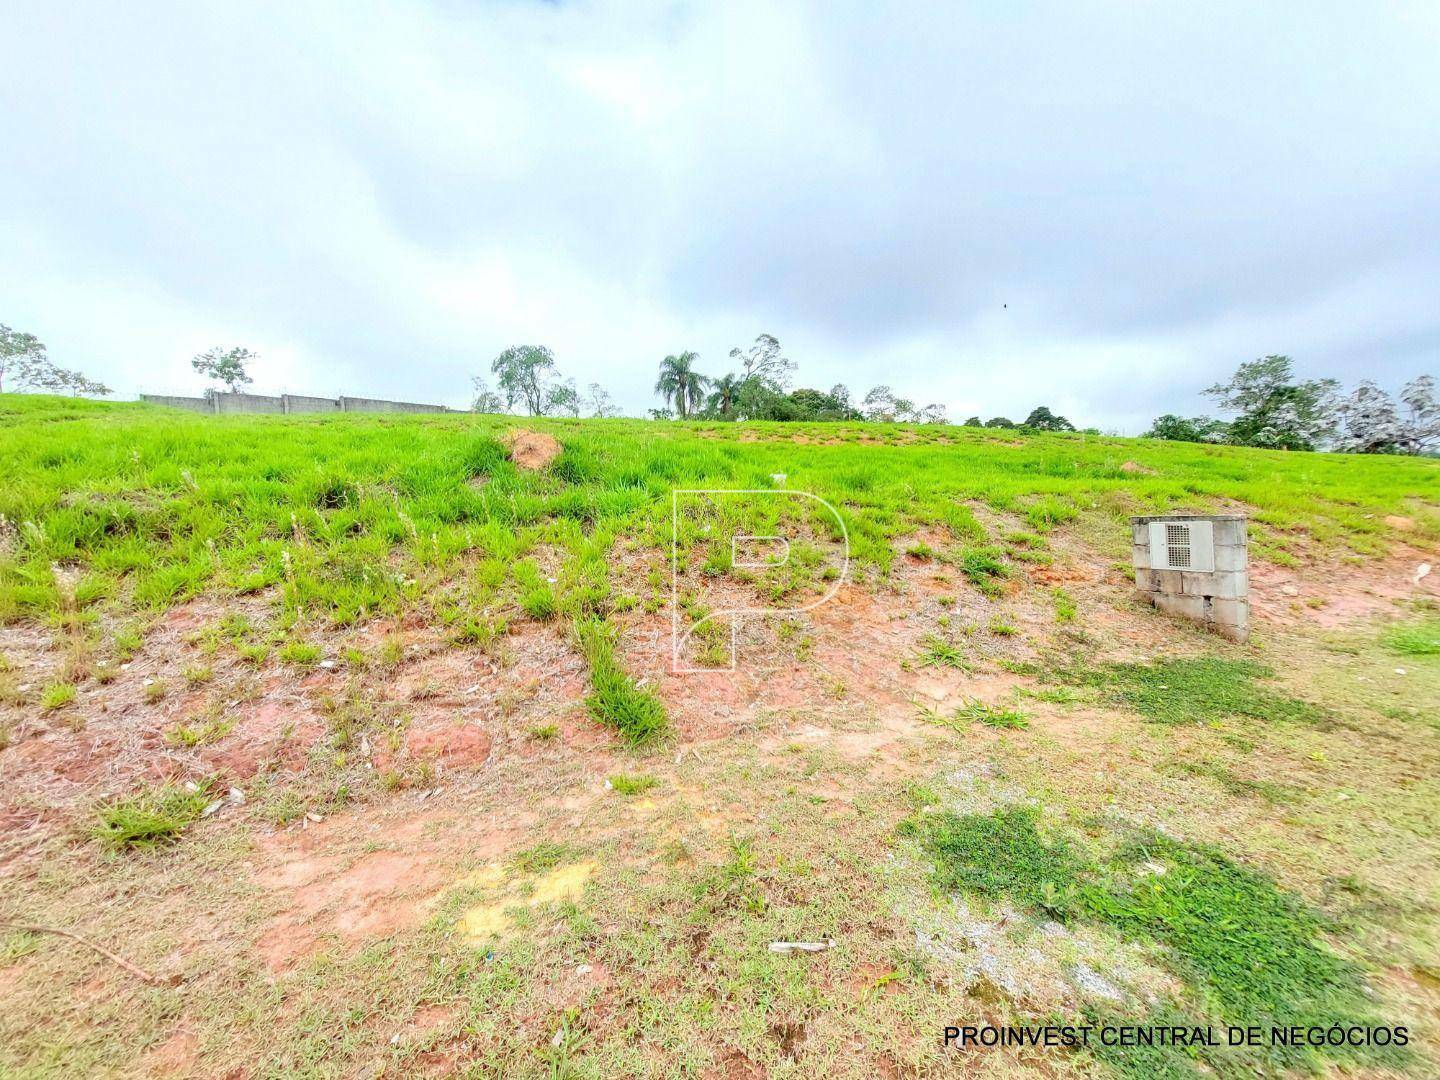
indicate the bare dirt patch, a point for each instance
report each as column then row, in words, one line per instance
column 531, row 450
column 1335, row 594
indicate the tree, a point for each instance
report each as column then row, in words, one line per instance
column 79, row 383
column 1000, row 422
column 486, row 400
column 226, row 366
column 974, row 421
column 1274, row 409
column 681, row 383
column 598, row 401
column 1372, row 423
column 880, row 405
column 20, row 355
column 1195, row 429
column 1042, row 419
column 932, row 414
column 523, row 374
column 724, row 393
column 807, row 404
column 1423, row 418
column 764, row 361
column 562, row 399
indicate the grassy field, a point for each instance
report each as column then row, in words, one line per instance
column 360, row 734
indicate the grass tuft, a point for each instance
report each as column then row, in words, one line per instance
column 638, row 715
column 149, row 819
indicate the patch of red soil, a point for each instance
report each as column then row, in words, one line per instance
column 531, row 450
column 273, row 733
column 176, row 1056
column 458, row 746
column 1335, row 594
column 375, row 896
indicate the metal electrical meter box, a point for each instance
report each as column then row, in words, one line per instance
column 1182, row 545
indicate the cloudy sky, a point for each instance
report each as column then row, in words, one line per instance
column 1100, row 206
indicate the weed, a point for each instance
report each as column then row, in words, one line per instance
column 991, row 715
column 210, row 727
column 1064, row 605
column 632, row 785
column 935, row 651
column 984, row 568
column 57, row 695
column 544, row 856
column 198, row 674
column 1003, row 627
column 300, row 653
column 254, row 655
column 544, row 732
column 638, row 715
column 539, row 603
column 153, row 817
column 155, row 691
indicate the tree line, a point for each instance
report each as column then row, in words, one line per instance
column 757, row 388
column 1276, row 410
column 1273, row 408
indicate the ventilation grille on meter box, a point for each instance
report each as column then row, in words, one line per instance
column 1177, row 545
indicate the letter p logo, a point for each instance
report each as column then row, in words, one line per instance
column 746, row 552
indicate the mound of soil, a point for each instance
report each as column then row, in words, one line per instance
column 531, row 450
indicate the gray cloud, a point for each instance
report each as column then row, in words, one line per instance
column 1099, row 206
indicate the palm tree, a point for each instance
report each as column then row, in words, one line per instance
column 681, row 383
column 723, row 393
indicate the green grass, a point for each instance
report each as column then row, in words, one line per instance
column 300, row 653
column 1420, row 638
column 615, row 700
column 995, row 716
column 935, row 651
column 1194, row 691
column 155, row 506
column 632, row 785
column 57, row 695
column 1249, row 952
column 149, row 819
column 543, row 856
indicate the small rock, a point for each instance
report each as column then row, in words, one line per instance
column 583, row 969
column 328, row 665
column 1399, row 671
column 1421, row 572
column 312, row 816
column 1289, row 590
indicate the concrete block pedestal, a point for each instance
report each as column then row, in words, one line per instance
column 1217, row 598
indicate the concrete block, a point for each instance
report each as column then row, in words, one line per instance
column 1189, row 607
column 1229, row 531
column 1167, row 581
column 1234, row 612
column 1229, row 586
column 1140, row 556
column 304, row 403
column 1230, row 558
